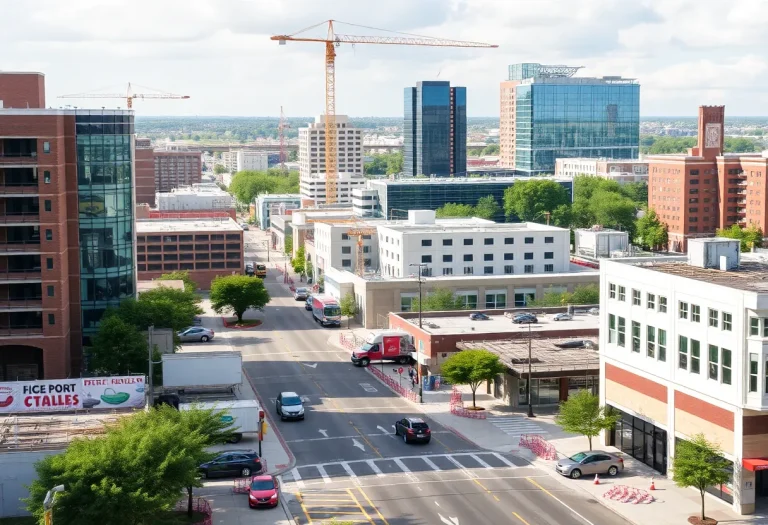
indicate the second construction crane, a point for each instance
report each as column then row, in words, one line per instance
column 333, row 40
column 129, row 95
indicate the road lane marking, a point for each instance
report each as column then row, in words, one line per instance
column 505, row 460
column 348, row 470
column 559, row 501
column 515, row 514
column 374, row 507
column 375, row 468
column 402, row 466
column 431, row 464
column 297, row 478
column 303, row 508
column 486, row 489
column 323, row 473
column 351, row 495
column 482, row 463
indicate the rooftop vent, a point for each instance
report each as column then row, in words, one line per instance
column 714, row 252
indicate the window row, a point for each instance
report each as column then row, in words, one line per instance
column 157, row 248
column 187, row 256
column 716, row 318
column 188, row 238
column 488, row 257
column 188, row 266
column 719, row 359
column 488, row 241
column 655, row 338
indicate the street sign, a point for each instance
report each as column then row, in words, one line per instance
column 400, row 370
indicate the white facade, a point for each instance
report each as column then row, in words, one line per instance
column 334, row 248
column 619, row 170
column 470, row 247
column 365, row 202
column 312, row 148
column 197, row 197
column 242, row 160
column 313, row 187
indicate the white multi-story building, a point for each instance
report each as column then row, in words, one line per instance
column 242, row 160
column 619, row 170
column 349, row 150
column 335, row 248
column 684, row 351
column 313, row 187
column 195, row 197
column 471, row 247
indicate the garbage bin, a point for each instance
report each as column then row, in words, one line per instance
column 431, row 383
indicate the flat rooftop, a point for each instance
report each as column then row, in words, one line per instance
column 573, row 269
column 51, row 432
column 186, row 225
column 463, row 180
column 751, row 276
column 450, row 325
column 546, row 356
column 466, row 225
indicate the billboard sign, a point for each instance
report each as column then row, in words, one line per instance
column 112, row 392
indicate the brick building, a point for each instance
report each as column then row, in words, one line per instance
column 145, row 172
column 66, row 227
column 164, row 170
column 204, row 247
column 696, row 193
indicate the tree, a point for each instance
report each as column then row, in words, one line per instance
column 613, row 210
column 472, row 367
column 118, row 349
column 452, row 209
column 490, row 149
column 180, row 275
column 161, row 307
column 582, row 414
column 385, row 164
column 527, row 200
column 348, row 306
column 395, row 163
column 752, row 236
column 487, row 208
column 650, row 232
column 288, row 245
column 699, row 463
column 637, row 191
column 134, row 473
column 584, row 294
column 439, row 300
column 237, row 293
column 299, row 261
column 219, row 169
column 246, row 185
column 562, row 216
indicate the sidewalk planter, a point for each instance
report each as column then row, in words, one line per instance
column 458, row 409
column 200, row 506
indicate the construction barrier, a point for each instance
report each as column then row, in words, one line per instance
column 394, row 385
column 348, row 341
column 198, row 505
column 625, row 494
column 458, row 409
column 243, row 485
column 538, row 445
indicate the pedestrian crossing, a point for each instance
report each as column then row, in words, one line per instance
column 515, row 426
column 405, row 466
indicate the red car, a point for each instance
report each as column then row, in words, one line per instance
column 263, row 492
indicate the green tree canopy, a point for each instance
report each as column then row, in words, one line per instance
column 700, row 464
column 582, row 414
column 385, row 164
column 299, row 261
column 439, row 300
column 487, row 208
column 238, row 293
column 161, row 307
column 751, row 236
column 527, row 200
column 472, row 367
column 219, row 169
column 118, row 348
column 655, row 144
column 452, row 209
column 584, row 294
column 288, row 247
column 348, row 305
column 490, row 149
column 650, row 232
column 180, row 275
column 246, row 185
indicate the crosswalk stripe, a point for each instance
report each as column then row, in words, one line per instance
column 504, row 460
column 431, row 464
column 483, row 463
column 348, row 470
column 374, row 468
column 453, row 460
column 297, row 478
column 323, row 473
column 402, row 466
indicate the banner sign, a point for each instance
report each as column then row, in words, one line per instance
column 65, row 395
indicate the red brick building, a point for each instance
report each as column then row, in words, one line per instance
column 145, row 172
column 164, row 170
column 696, row 193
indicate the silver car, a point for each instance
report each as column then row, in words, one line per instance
column 289, row 406
column 593, row 462
column 562, row 317
column 195, row 333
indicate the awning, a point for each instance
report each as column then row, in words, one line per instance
column 755, row 464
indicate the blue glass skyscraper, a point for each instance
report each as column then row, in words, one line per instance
column 435, row 129
column 547, row 113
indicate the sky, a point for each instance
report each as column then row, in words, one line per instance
column 684, row 53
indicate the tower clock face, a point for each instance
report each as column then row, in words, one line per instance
column 712, row 135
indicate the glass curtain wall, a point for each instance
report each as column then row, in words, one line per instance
column 433, row 125
column 411, row 140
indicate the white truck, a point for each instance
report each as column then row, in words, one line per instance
column 187, row 371
column 242, row 413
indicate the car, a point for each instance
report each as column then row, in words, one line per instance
column 594, row 311
column 234, row 463
column 249, row 269
column 575, row 343
column 413, row 429
column 195, row 333
column 289, row 406
column 244, row 226
column 300, row 294
column 592, row 462
column 308, row 304
column 479, row 317
column 562, row 317
column 264, row 491
column 524, row 319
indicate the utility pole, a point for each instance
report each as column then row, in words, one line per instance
column 418, row 350
column 150, row 382
column 530, row 373
column 267, row 245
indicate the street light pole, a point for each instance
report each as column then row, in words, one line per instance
column 530, row 373
column 418, row 350
column 267, row 244
column 50, row 499
column 150, row 382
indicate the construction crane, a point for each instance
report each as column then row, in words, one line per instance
column 333, row 40
column 281, row 133
column 129, row 95
column 359, row 232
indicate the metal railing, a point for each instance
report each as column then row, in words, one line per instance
column 16, row 158
column 19, row 246
column 20, row 275
column 30, row 217
column 30, row 302
column 17, row 331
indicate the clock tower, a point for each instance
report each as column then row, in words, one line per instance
column 711, row 122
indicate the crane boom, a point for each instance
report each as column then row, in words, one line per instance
column 129, row 95
column 331, row 41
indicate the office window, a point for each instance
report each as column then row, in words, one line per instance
column 662, row 344
column 496, row 300
column 47, row 204
column 467, row 257
column 753, row 372
column 447, row 258
column 488, row 257
column 48, row 235
column 447, row 271
column 612, row 290
column 549, row 255
column 765, row 327
column 727, row 321
column 528, row 268
column 47, row 177
column 636, row 298
column 488, row 270
column 683, row 310
column 611, row 328
column 662, row 304
column 726, row 366
column 345, row 237
column 50, row 290
column 426, row 242
column 426, row 258
column 650, row 301
column 549, row 240
column 528, row 256
column 714, row 366
column 447, row 242
column 346, row 263
column 346, row 250
column 47, row 149
column 754, row 326
column 621, row 331
column 549, row 268
column 682, row 352
column 51, row 319
column 695, row 356
column 49, row 263
column 509, row 269
column 635, row 336
column 695, row 313
column 529, row 240
column 650, row 334
column 488, row 241
column 469, row 270
column 622, row 293
column 509, row 256
column 714, row 316
column 468, row 242
column 509, row 240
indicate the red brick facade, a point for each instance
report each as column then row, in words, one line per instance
column 636, row 382
column 22, row 90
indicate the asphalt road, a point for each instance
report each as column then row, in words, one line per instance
column 349, row 464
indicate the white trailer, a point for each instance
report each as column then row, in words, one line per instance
column 206, row 370
column 242, row 413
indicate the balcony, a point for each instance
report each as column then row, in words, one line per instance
column 33, row 304
column 18, row 181
column 18, row 152
column 21, row 324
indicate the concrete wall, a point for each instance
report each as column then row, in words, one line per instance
column 17, row 469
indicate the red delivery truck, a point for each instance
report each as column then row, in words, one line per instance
column 388, row 345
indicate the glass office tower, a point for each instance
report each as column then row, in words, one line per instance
column 555, row 115
column 435, row 129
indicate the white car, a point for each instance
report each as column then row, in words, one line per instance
column 562, row 317
column 594, row 311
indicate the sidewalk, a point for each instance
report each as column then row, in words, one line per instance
column 501, row 431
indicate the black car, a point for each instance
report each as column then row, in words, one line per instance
column 413, row 429
column 308, row 303
column 525, row 319
column 478, row 317
column 234, row 463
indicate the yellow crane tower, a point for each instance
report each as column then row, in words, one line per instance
column 333, row 40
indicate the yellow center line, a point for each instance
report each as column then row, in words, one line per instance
column 449, row 449
column 515, row 514
column 540, row 487
column 486, row 489
column 372, row 505
column 303, row 508
column 351, row 495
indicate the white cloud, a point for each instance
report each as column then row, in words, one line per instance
column 683, row 52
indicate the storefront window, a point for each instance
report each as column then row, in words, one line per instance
column 642, row 440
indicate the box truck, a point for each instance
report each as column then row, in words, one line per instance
column 388, row 345
column 242, row 413
column 205, row 370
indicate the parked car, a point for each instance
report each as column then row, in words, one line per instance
column 479, row 317
column 244, row 226
column 263, row 492
column 594, row 311
column 308, row 304
column 195, row 333
column 289, row 406
column 593, row 462
column 232, row 463
column 562, row 317
column 525, row 319
column 301, row 294
column 413, row 429
column 249, row 269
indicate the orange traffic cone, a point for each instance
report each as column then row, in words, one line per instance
column 597, row 480
column 653, row 485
